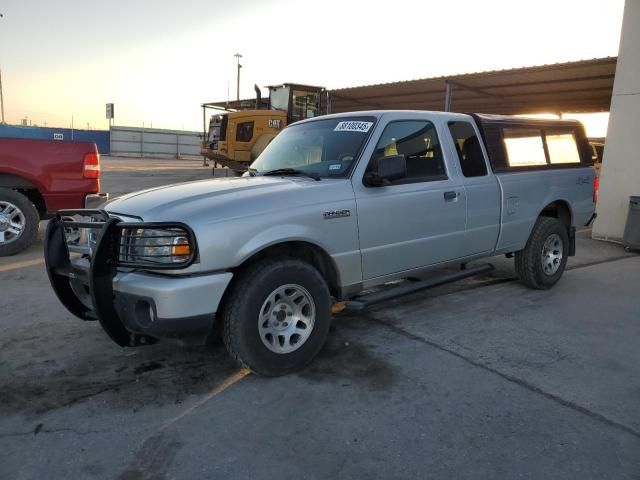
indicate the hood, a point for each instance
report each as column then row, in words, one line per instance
column 227, row 197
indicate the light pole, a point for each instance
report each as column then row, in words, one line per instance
column 238, row 57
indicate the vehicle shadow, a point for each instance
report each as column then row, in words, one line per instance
column 55, row 368
column 49, row 368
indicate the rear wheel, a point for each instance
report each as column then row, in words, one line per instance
column 19, row 221
column 277, row 316
column 543, row 260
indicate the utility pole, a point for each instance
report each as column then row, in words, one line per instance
column 1, row 96
column 238, row 57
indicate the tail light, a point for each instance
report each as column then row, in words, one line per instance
column 91, row 165
column 596, row 186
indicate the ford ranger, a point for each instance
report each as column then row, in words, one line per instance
column 333, row 207
column 38, row 178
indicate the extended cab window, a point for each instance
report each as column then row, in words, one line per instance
column 244, row 132
column 418, row 142
column 524, row 147
column 468, row 149
column 562, row 147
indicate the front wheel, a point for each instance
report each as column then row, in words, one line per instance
column 277, row 316
column 543, row 260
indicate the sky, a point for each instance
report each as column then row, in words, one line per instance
column 157, row 61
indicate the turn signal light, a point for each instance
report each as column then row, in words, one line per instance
column 596, row 186
column 181, row 247
column 91, row 165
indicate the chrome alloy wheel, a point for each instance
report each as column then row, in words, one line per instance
column 552, row 251
column 286, row 318
column 12, row 222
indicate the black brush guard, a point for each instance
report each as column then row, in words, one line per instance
column 101, row 270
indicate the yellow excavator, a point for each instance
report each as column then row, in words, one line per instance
column 243, row 128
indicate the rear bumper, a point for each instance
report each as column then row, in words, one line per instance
column 73, row 195
column 94, row 201
column 57, row 202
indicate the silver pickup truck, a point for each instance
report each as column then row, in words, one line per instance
column 335, row 206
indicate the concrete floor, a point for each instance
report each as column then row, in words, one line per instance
column 480, row 379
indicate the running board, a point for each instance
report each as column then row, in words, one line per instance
column 364, row 301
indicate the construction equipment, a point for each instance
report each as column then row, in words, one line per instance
column 237, row 135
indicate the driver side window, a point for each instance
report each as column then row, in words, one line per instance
column 418, row 141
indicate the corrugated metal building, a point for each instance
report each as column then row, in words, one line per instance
column 137, row 141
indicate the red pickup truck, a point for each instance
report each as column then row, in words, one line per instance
column 39, row 177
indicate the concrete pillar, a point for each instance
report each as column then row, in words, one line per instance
column 620, row 174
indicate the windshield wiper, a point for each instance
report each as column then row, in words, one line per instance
column 252, row 171
column 292, row 171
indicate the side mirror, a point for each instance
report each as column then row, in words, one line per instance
column 386, row 170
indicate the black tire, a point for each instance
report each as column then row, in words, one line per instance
column 528, row 262
column 31, row 224
column 243, row 305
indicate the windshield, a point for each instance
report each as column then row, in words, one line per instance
column 279, row 97
column 325, row 148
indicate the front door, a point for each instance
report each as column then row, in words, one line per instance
column 416, row 221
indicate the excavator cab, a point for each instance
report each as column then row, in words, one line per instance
column 235, row 138
column 299, row 101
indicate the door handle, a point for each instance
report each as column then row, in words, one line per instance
column 449, row 196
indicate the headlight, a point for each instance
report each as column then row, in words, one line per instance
column 161, row 246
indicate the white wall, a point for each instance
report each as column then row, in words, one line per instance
column 620, row 174
column 154, row 142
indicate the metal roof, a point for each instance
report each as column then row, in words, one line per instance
column 233, row 105
column 582, row 86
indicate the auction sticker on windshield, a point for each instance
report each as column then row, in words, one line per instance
column 353, row 126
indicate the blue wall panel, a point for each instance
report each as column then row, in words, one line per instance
column 100, row 137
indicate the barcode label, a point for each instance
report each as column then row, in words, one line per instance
column 353, row 126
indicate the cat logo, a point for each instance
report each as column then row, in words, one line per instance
column 275, row 123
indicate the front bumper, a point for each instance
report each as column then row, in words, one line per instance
column 166, row 306
column 134, row 307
